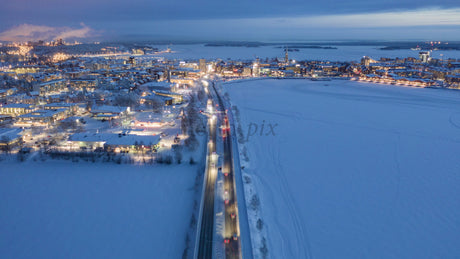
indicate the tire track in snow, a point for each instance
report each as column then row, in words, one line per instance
column 374, row 94
column 293, row 115
column 396, row 154
column 278, row 236
column 269, row 193
column 413, row 133
column 452, row 120
column 302, row 244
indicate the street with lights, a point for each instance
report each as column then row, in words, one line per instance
column 207, row 219
column 232, row 230
column 219, row 134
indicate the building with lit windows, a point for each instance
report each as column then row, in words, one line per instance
column 16, row 109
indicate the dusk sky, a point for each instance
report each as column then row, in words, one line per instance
column 263, row 20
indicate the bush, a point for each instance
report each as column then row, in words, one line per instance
column 160, row 159
column 255, row 202
column 264, row 249
column 21, row 157
column 177, row 153
column 191, row 142
column 260, row 224
column 168, row 159
column 192, row 161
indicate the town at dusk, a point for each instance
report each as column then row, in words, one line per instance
column 229, row 129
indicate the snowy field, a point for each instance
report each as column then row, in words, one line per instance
column 60, row 209
column 353, row 170
column 342, row 53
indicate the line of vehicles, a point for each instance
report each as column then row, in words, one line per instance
column 229, row 206
column 224, row 165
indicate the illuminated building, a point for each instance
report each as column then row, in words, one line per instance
column 424, row 56
column 203, row 65
column 16, row 109
column 9, row 138
column 286, row 56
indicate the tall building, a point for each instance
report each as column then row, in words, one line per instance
column 131, row 60
column 202, row 65
column 286, row 55
column 366, row 61
column 424, row 56
column 60, row 42
column 256, row 68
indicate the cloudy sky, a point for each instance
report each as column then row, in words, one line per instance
column 264, row 20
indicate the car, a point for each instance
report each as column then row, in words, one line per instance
column 226, row 241
column 226, row 197
column 235, row 237
column 233, row 215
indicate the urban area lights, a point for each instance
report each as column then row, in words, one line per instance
column 60, row 57
column 103, row 84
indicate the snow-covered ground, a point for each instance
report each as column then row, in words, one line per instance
column 345, row 169
column 342, row 53
column 60, row 209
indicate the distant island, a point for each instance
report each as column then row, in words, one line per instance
column 297, row 47
column 259, row 44
column 425, row 46
column 235, row 44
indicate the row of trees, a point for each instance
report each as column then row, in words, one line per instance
column 191, row 124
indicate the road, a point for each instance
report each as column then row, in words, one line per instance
column 207, row 220
column 232, row 231
column 232, row 242
column 233, row 247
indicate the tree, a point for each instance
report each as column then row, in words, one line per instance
column 6, row 140
column 201, row 95
column 192, row 117
column 255, row 202
column 157, row 105
column 183, row 125
column 179, row 157
column 21, row 157
column 168, row 159
column 260, row 224
column 127, row 100
column 191, row 142
column 160, row 159
column 192, row 161
column 177, row 153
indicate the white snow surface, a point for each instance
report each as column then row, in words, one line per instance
column 342, row 53
column 60, row 209
column 354, row 170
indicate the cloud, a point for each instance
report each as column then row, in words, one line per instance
column 423, row 17
column 427, row 17
column 443, row 24
column 83, row 32
column 30, row 32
